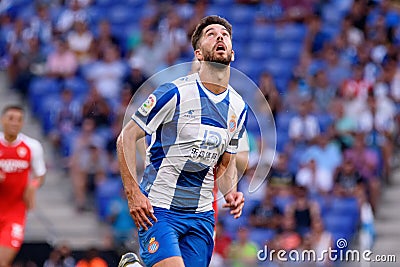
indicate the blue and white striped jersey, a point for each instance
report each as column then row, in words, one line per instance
column 190, row 129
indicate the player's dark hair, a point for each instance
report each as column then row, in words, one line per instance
column 12, row 107
column 204, row 22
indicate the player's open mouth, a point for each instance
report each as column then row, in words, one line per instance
column 220, row 47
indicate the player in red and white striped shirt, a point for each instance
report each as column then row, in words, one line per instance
column 20, row 156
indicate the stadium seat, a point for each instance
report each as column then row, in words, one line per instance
column 290, row 32
column 39, row 87
column 324, row 121
column 77, row 85
column 261, row 50
column 289, row 50
column 263, row 33
column 241, row 14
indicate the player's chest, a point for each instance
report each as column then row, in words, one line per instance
column 14, row 159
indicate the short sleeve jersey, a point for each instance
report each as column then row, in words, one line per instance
column 190, row 129
column 17, row 160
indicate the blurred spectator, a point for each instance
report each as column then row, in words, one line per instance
column 366, row 161
column 41, row 24
column 243, row 252
column 287, row 238
column 104, row 37
column 136, row 77
column 316, row 38
column 96, row 107
column 348, row 181
column 60, row 256
column 61, row 63
column 266, row 214
column 66, row 114
column 323, row 92
column 92, row 259
column 317, row 179
column 302, row 212
column 172, row 34
column 271, row 94
column 28, row 64
column 321, row 241
column 80, row 41
column 356, row 88
column 325, row 152
column 344, row 127
column 149, row 51
column 108, row 73
column 354, row 36
column 74, row 12
column 337, row 69
column 304, row 126
column 293, row 98
column 89, row 168
column 377, row 121
column 280, row 178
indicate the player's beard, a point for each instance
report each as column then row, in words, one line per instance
column 221, row 61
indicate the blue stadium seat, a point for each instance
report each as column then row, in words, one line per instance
column 282, row 139
column 279, row 68
column 324, row 120
column 77, row 85
column 263, row 33
column 291, row 32
column 40, row 87
column 289, row 50
column 332, row 15
column 261, row 50
column 283, row 120
column 241, row 14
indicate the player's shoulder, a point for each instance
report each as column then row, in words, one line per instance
column 186, row 80
column 30, row 141
column 236, row 99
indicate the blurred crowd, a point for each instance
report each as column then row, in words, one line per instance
column 328, row 69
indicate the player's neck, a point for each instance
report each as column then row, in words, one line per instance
column 215, row 79
column 10, row 138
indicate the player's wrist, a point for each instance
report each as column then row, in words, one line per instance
column 35, row 183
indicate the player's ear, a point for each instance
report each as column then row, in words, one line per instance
column 198, row 55
column 233, row 56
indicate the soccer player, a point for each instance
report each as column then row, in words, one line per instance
column 19, row 156
column 195, row 123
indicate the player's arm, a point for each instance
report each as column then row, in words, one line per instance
column 39, row 171
column 227, row 184
column 139, row 205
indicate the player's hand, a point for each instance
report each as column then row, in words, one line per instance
column 30, row 196
column 234, row 201
column 141, row 210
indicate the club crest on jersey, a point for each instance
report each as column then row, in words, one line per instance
column 153, row 245
column 22, row 151
column 232, row 123
column 148, row 105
